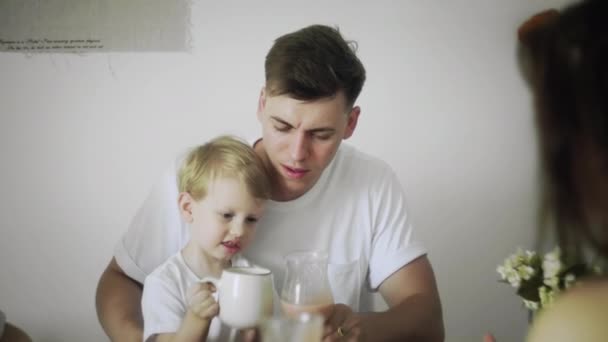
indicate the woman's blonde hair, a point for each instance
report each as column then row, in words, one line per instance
column 224, row 156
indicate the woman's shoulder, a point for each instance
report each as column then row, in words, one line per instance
column 578, row 315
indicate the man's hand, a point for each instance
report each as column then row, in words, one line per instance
column 342, row 324
column 201, row 302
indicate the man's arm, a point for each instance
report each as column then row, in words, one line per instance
column 414, row 312
column 118, row 303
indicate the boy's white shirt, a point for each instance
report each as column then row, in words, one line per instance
column 164, row 301
column 356, row 212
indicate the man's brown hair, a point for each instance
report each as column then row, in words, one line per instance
column 313, row 63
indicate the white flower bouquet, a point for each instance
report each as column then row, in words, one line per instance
column 538, row 280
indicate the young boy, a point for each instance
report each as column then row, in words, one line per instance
column 222, row 189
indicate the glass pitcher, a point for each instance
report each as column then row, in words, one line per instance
column 306, row 286
column 306, row 327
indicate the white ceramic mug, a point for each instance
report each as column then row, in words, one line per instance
column 244, row 295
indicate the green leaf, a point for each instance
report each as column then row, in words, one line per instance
column 529, row 293
column 578, row 270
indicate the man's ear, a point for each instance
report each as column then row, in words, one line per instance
column 351, row 124
column 261, row 103
column 185, row 203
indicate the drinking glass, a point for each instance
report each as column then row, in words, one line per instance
column 306, row 286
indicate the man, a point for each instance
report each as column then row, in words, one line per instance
column 325, row 196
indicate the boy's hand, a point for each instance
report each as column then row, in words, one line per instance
column 201, row 302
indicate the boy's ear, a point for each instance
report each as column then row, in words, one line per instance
column 184, row 203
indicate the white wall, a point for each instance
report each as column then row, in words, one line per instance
column 82, row 138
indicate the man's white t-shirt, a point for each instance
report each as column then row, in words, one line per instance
column 164, row 301
column 356, row 212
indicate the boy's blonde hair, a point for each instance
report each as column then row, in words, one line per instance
column 224, row 156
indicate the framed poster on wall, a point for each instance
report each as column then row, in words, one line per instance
column 83, row 26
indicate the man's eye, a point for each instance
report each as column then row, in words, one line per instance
column 323, row 136
column 281, row 128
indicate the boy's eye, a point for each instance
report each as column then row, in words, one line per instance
column 252, row 220
column 227, row 216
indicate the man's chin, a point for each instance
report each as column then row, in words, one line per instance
column 294, row 188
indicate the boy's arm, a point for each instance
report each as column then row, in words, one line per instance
column 118, row 303
column 168, row 318
column 193, row 328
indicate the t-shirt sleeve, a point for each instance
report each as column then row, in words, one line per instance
column 392, row 243
column 162, row 306
column 156, row 231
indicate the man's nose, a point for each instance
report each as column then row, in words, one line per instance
column 299, row 147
